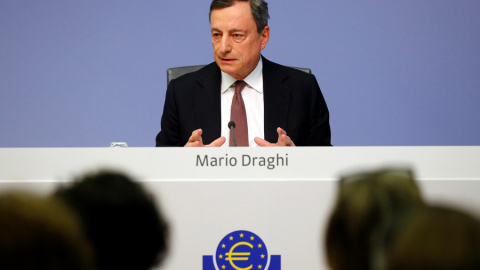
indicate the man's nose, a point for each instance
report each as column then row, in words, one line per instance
column 226, row 45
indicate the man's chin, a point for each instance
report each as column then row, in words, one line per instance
column 227, row 68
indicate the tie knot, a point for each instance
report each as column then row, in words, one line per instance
column 239, row 85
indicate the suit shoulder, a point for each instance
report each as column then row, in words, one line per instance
column 197, row 73
column 296, row 72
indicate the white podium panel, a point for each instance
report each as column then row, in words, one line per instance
column 167, row 164
column 284, row 196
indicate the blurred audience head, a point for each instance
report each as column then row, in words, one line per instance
column 364, row 202
column 41, row 233
column 120, row 218
column 431, row 238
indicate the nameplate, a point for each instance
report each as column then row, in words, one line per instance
column 192, row 164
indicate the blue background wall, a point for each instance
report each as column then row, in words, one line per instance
column 86, row 73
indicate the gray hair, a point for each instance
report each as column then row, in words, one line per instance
column 259, row 10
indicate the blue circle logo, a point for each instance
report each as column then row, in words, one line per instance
column 241, row 250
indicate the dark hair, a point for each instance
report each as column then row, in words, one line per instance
column 434, row 237
column 365, row 201
column 259, row 10
column 41, row 233
column 121, row 219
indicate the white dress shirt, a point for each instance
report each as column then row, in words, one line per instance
column 252, row 96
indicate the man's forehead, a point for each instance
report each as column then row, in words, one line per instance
column 234, row 23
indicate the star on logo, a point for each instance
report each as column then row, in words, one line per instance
column 241, row 250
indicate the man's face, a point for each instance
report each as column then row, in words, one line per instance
column 236, row 42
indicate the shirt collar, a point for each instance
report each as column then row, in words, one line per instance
column 254, row 79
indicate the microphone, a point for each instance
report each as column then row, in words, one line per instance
column 231, row 126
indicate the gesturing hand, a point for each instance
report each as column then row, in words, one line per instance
column 283, row 140
column 196, row 140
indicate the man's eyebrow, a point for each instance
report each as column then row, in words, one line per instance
column 229, row 31
column 236, row 31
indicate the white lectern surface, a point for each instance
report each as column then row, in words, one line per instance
column 282, row 195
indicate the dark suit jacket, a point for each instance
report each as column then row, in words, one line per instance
column 292, row 101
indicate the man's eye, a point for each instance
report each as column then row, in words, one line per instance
column 238, row 36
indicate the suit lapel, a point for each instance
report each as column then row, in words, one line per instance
column 207, row 102
column 276, row 100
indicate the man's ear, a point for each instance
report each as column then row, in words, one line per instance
column 265, row 36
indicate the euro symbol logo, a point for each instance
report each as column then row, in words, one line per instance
column 231, row 253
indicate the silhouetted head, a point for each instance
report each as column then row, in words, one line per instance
column 120, row 218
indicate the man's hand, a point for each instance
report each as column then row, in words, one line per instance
column 196, row 140
column 283, row 140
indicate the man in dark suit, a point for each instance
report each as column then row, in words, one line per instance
column 277, row 100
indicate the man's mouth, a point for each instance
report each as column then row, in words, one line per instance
column 227, row 60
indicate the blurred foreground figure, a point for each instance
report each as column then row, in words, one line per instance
column 432, row 238
column 364, row 202
column 121, row 220
column 40, row 233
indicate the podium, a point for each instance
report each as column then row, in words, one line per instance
column 282, row 195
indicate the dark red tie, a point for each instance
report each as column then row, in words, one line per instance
column 239, row 116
